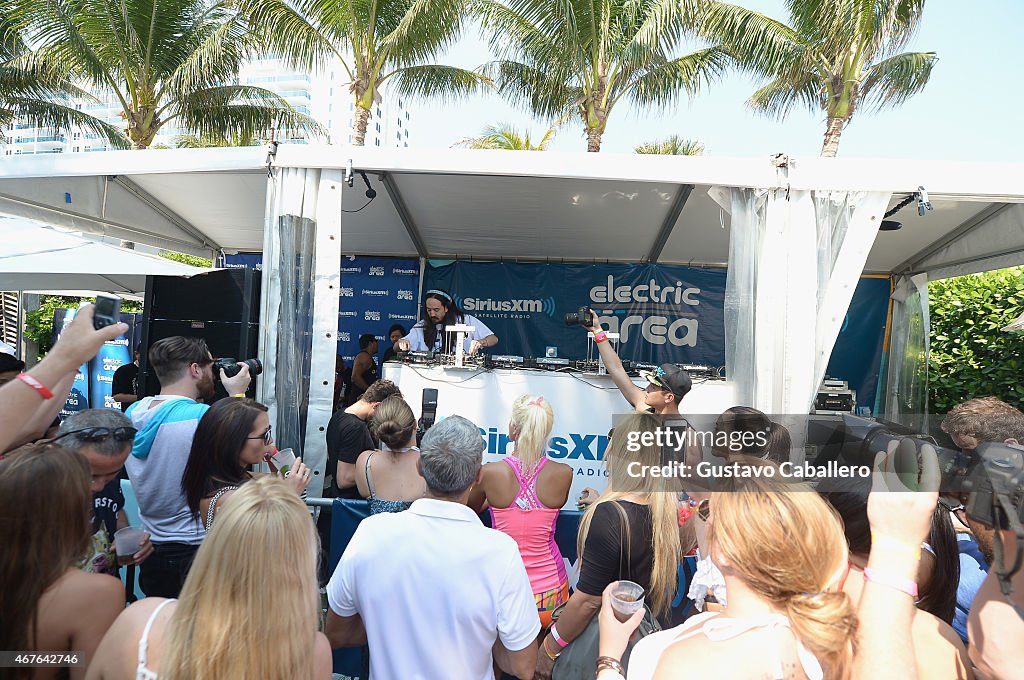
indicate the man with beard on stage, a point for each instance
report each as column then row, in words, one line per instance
column 440, row 311
column 166, row 424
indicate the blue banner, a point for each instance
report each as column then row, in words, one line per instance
column 78, row 398
column 376, row 292
column 112, row 355
column 857, row 357
column 663, row 313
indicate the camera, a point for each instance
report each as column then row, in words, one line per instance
column 107, row 311
column 581, row 317
column 428, row 411
column 231, row 367
column 992, row 476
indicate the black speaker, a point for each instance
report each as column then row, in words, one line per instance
column 222, row 308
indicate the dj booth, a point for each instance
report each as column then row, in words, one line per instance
column 584, row 405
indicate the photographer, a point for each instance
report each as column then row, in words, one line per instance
column 166, row 425
column 439, row 311
column 994, row 628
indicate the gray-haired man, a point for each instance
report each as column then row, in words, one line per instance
column 433, row 592
column 104, row 437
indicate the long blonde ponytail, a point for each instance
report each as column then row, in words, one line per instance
column 533, row 417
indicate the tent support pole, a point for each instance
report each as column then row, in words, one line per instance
column 174, row 217
column 403, row 214
column 670, row 222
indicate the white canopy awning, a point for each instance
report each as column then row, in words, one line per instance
column 37, row 257
column 510, row 204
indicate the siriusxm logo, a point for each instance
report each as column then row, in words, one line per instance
column 406, row 272
column 573, row 446
column 352, row 313
column 376, row 293
column 472, row 304
column 402, row 317
column 351, row 270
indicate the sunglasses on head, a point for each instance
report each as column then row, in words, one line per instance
column 99, row 434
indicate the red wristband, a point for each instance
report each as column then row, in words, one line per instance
column 600, row 336
column 36, row 385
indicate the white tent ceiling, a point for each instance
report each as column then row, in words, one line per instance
column 36, row 257
column 531, row 205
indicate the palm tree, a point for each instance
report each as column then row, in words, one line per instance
column 586, row 56
column 172, row 62
column 672, row 146
column 389, row 41
column 837, row 57
column 39, row 94
column 504, row 136
column 205, row 141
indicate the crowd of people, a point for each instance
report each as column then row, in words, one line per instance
column 861, row 578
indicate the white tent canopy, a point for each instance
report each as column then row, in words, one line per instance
column 498, row 204
column 37, row 257
column 795, row 234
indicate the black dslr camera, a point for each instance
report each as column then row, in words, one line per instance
column 992, row 477
column 581, row 317
column 231, row 367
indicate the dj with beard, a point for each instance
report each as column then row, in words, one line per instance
column 166, row 424
column 429, row 335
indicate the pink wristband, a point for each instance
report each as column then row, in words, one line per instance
column 600, row 336
column 558, row 641
column 881, row 578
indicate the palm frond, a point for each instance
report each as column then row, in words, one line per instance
column 891, row 82
column 663, row 84
column 47, row 114
column 672, row 146
column 757, row 42
column 777, row 98
column 544, row 95
column 437, row 81
column 241, row 110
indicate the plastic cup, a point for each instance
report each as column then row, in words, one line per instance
column 128, row 540
column 283, row 460
column 627, row 598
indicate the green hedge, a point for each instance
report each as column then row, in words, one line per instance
column 970, row 355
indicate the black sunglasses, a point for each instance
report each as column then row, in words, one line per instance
column 98, row 434
column 266, row 436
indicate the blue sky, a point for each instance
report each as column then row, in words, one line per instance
column 970, row 109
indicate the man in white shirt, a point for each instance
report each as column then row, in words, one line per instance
column 433, row 592
column 430, row 335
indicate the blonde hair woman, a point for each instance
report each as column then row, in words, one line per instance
column 525, row 491
column 249, row 608
column 783, row 554
column 631, row 532
column 391, row 480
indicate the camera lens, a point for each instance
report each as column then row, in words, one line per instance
column 255, row 366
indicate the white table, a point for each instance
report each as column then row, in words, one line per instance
column 584, row 406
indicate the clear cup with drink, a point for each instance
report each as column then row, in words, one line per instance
column 128, row 541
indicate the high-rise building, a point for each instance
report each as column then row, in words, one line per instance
column 325, row 96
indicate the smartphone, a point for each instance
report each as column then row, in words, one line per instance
column 107, row 311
